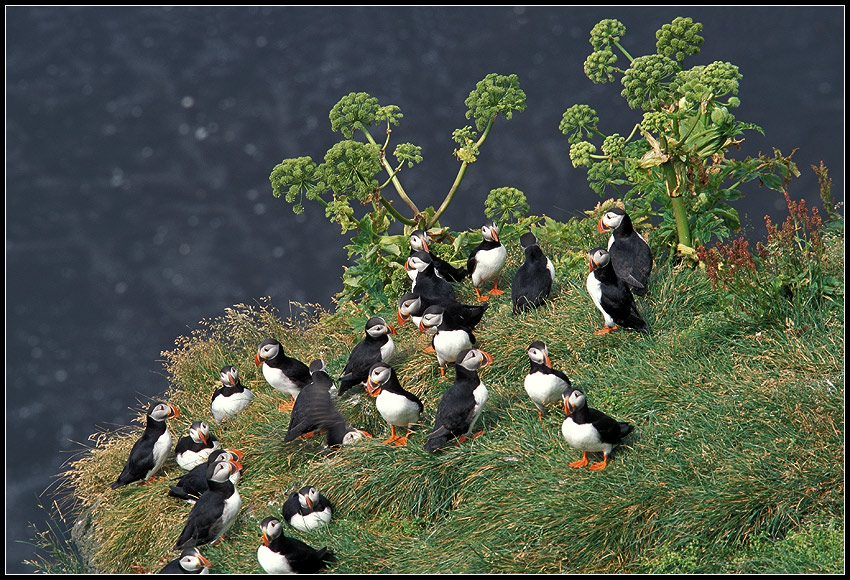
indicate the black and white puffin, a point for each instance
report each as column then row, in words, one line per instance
column 376, row 346
column 194, row 449
column 590, row 430
column 398, row 407
column 461, row 405
column 532, row 281
column 307, row 509
column 545, row 385
column 420, row 240
column 630, row 254
column 150, row 451
column 190, row 562
column 487, row 260
column 447, row 339
column 426, row 281
column 192, row 484
column 318, row 413
column 611, row 295
column 286, row 374
column 215, row 511
column 231, row 397
column 280, row 554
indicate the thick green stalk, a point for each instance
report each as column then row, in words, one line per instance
column 675, row 186
column 396, row 183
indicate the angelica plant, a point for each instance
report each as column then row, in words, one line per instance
column 359, row 173
column 673, row 163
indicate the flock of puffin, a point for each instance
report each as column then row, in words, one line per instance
column 212, row 472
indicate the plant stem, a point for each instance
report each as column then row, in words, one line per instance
column 674, row 191
column 396, row 183
column 460, row 173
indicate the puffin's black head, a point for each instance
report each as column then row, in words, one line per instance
column 162, row 411
column 598, row 258
column 573, row 400
column 271, row 528
column 191, row 560
column 473, row 359
column 432, row 317
column 199, row 431
column 377, row 326
column 527, row 240
column 229, row 376
column 419, row 240
column 538, row 352
column 418, row 261
column 408, row 304
column 308, row 496
column 221, row 471
column 318, row 365
column 379, row 374
column 268, row 349
column 490, row 231
column 612, row 219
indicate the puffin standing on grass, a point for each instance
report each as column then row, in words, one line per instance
column 545, row 385
column 461, row 405
column 426, row 281
column 419, row 241
column 283, row 555
column 532, row 282
column 307, row 509
column 151, row 449
column 397, row 406
column 194, row 449
column 487, row 260
column 611, row 295
column 631, row 257
column 190, row 486
column 231, row 397
column 190, row 562
column 376, row 346
column 311, row 408
column 215, row 511
column 590, row 430
column 286, row 374
column 448, row 339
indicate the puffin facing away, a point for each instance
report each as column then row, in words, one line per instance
column 487, row 260
column 151, row 449
column 307, row 509
column 194, row 449
column 461, row 405
column 190, row 562
column 286, row 374
column 420, row 241
column 282, row 555
column 231, row 397
column 611, row 295
column 398, row 407
column 590, row 430
column 543, row 384
column 533, row 280
column 215, row 511
column 630, row 254
column 376, row 346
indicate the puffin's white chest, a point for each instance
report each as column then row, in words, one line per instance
column 232, row 505
column 544, row 388
column 224, row 407
column 594, row 288
column 481, row 395
column 387, row 349
column 311, row 521
column 280, row 381
column 190, row 459
column 583, row 437
column 448, row 343
column 272, row 562
column 488, row 264
column 397, row 409
column 161, row 449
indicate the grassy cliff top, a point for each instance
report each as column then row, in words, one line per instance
column 735, row 464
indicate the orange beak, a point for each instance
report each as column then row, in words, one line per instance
column 601, row 227
column 204, row 560
column 391, row 329
column 372, row 388
column 174, row 410
column 401, row 319
column 547, row 360
column 239, row 455
column 488, row 360
column 265, row 539
column 257, row 360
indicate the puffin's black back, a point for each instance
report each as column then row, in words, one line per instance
column 617, row 300
column 303, row 558
column 532, row 282
column 454, row 413
column 140, row 460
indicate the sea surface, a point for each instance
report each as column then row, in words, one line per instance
column 139, row 143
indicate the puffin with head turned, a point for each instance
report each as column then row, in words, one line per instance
column 150, row 451
column 231, row 397
column 190, row 562
column 286, row 374
column 216, row 510
column 397, row 406
column 307, row 509
column 420, row 240
column 532, row 282
column 194, row 449
column 280, row 554
column 544, row 384
column 591, row 430
column 486, row 261
column 631, row 257
column 447, row 337
column 376, row 346
column 611, row 295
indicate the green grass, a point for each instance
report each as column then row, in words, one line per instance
column 735, row 464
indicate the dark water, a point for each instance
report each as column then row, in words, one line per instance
column 139, row 143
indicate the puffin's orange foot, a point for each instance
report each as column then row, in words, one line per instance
column 599, row 465
column 401, row 441
column 308, row 435
column 496, row 292
column 286, row 406
column 480, row 297
column 460, row 439
column 581, row 462
column 392, row 439
column 605, row 330
column 429, row 349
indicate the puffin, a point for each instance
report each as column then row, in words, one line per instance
column 376, row 346
column 319, row 413
column 190, row 562
column 448, row 339
column 426, row 281
column 611, row 295
column 231, row 397
column 283, row 555
column 286, row 374
column 151, row 449
column 191, row 485
column 487, row 260
column 307, row 509
column 461, row 405
column 398, row 407
column 194, row 449
column 590, row 430
column 412, row 305
column 215, row 511
column 532, row 282
column 543, row 384
column 630, row 254
column 419, row 241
